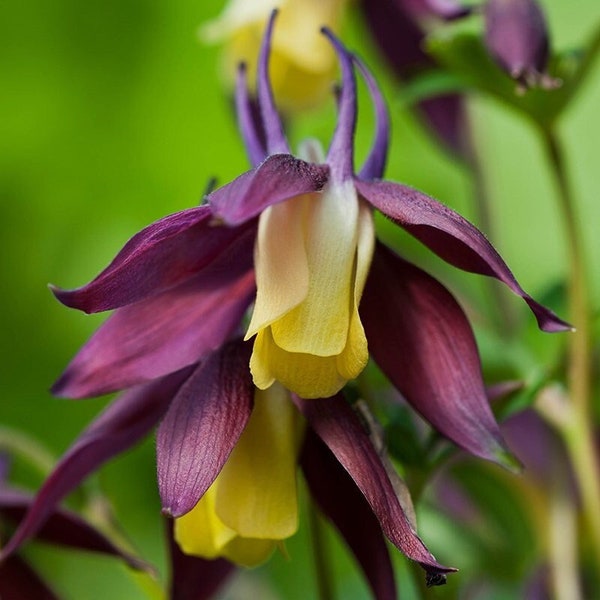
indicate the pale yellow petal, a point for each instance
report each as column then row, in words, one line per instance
column 280, row 261
column 319, row 325
column 256, row 493
column 200, row 532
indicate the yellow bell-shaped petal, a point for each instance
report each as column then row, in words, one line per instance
column 309, row 336
column 252, row 505
column 302, row 63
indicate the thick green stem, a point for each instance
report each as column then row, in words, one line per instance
column 320, row 557
column 578, row 428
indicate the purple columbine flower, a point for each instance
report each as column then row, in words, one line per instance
column 295, row 237
column 516, row 36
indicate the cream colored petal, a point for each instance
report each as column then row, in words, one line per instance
column 282, row 276
column 354, row 358
column 319, row 325
column 256, row 493
column 200, row 532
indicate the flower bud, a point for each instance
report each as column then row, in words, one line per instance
column 516, row 36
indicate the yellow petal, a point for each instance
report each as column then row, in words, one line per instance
column 306, row 375
column 319, row 324
column 200, row 532
column 248, row 552
column 256, row 492
column 280, row 261
column 356, row 354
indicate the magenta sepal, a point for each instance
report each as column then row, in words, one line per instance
column 451, row 237
column 343, row 503
column 422, row 341
column 165, row 333
column 202, row 426
column 334, row 421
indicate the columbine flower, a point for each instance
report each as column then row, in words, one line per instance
column 296, row 237
column 302, row 63
column 516, row 36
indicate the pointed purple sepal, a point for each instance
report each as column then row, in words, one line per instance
column 278, row 178
column 337, row 425
column 202, row 426
column 165, row 333
column 154, row 260
column 422, row 341
column 64, row 528
column 451, row 237
column 126, row 420
column 342, row 502
column 194, row 578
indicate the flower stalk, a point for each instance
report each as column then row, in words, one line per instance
column 577, row 428
column 321, row 560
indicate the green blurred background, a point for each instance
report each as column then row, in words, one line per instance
column 113, row 114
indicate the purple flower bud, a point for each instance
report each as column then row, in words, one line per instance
column 517, row 38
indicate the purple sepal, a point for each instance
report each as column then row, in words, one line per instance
column 451, row 237
column 422, row 341
column 280, row 177
column 18, row 581
column 64, row 528
column 165, row 333
column 202, row 426
column 130, row 417
column 338, row 426
column 194, row 578
column 154, row 260
column 342, row 502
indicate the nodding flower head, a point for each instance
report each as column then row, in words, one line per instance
column 292, row 241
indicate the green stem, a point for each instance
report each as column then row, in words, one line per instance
column 17, row 443
column 577, row 430
column 322, row 566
